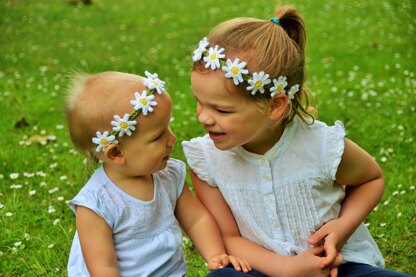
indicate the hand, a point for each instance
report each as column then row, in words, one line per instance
column 223, row 260
column 307, row 264
column 332, row 237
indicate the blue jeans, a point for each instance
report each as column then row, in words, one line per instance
column 358, row 270
column 231, row 272
column 344, row 270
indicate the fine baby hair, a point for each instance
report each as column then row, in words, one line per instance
column 263, row 57
column 94, row 124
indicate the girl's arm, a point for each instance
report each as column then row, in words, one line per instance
column 96, row 241
column 269, row 263
column 365, row 186
column 204, row 233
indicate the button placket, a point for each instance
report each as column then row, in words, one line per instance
column 270, row 200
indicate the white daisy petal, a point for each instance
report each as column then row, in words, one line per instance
column 279, row 86
column 258, row 82
column 292, row 91
column 103, row 140
column 153, row 82
column 213, row 58
column 143, row 102
column 123, row 125
column 202, row 47
column 235, row 70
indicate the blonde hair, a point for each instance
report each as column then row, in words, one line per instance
column 278, row 50
column 91, row 102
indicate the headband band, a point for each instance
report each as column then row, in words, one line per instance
column 141, row 104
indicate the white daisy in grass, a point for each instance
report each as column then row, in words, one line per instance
column 103, row 140
column 144, row 102
column 279, row 86
column 235, row 70
column 153, row 82
column 123, row 125
column 258, row 82
column 213, row 58
column 202, row 47
column 291, row 93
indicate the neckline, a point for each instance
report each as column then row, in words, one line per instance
column 109, row 182
column 277, row 149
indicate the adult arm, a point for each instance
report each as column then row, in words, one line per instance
column 97, row 245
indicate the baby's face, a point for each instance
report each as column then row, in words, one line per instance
column 150, row 146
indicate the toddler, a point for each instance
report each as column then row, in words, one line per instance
column 128, row 213
column 273, row 177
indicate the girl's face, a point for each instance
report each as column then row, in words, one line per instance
column 230, row 118
column 151, row 144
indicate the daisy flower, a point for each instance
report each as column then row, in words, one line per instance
column 279, row 86
column 153, row 82
column 123, row 125
column 143, row 102
column 202, row 47
column 292, row 91
column 235, row 70
column 213, row 58
column 103, row 140
column 258, row 82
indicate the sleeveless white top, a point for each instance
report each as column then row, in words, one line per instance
column 280, row 198
column 146, row 235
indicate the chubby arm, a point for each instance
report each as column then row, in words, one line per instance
column 268, row 262
column 364, row 188
column 96, row 243
column 204, row 233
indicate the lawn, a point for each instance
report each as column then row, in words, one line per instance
column 361, row 67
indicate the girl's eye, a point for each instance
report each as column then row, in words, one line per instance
column 222, row 111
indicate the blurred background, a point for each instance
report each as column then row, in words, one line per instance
column 361, row 69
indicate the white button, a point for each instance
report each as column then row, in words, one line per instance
column 270, row 199
column 266, row 177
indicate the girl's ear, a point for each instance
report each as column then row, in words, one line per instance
column 113, row 154
column 278, row 106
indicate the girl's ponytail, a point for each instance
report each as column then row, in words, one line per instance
column 292, row 22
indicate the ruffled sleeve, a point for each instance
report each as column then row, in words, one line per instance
column 334, row 148
column 92, row 200
column 197, row 159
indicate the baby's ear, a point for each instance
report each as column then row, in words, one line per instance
column 113, row 153
column 278, row 106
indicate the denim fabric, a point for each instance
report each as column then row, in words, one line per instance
column 365, row 270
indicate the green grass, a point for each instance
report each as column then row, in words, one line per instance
column 360, row 65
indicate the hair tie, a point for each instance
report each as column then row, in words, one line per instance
column 275, row 20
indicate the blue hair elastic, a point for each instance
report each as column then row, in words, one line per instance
column 275, row 20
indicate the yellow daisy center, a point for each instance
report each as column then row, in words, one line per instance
column 144, row 102
column 235, row 70
column 258, row 84
column 124, row 125
column 155, row 82
column 213, row 56
column 279, row 88
column 104, row 141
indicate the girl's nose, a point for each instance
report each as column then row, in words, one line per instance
column 204, row 117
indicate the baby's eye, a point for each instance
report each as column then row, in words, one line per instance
column 223, row 111
column 159, row 136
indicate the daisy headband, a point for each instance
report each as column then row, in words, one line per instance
column 257, row 82
column 142, row 103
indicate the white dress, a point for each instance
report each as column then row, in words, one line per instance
column 147, row 237
column 280, row 198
